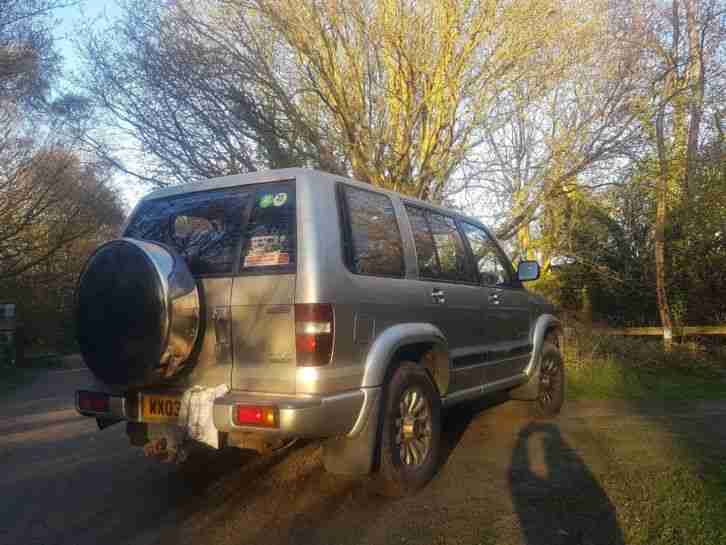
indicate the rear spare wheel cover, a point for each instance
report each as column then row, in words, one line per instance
column 137, row 313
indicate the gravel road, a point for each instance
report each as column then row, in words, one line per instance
column 505, row 479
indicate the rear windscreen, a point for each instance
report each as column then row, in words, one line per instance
column 251, row 228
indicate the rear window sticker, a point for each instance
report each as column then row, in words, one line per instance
column 280, row 199
column 267, row 260
column 266, row 200
column 267, row 250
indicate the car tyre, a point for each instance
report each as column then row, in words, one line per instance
column 551, row 391
column 410, row 435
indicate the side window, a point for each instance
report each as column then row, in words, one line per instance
column 203, row 227
column 373, row 244
column 488, row 258
column 428, row 262
column 270, row 235
column 439, row 247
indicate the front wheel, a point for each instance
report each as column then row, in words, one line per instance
column 410, row 443
column 551, row 392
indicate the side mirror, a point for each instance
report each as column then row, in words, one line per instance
column 527, row 271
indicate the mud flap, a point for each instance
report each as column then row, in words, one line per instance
column 356, row 455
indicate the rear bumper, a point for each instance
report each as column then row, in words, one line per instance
column 309, row 416
column 298, row 416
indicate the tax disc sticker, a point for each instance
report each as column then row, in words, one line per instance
column 266, row 200
column 280, row 199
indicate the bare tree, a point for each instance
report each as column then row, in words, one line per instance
column 50, row 200
column 28, row 62
column 410, row 86
column 200, row 90
column 392, row 93
column 575, row 135
column 49, row 197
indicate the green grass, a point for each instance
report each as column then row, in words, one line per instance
column 666, row 476
column 608, row 379
column 637, row 369
column 668, row 488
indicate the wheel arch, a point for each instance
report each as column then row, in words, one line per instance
column 419, row 342
column 545, row 326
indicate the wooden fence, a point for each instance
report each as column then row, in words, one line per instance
column 687, row 331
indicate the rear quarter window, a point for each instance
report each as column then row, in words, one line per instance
column 371, row 236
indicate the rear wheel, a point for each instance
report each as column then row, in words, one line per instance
column 411, row 433
column 551, row 392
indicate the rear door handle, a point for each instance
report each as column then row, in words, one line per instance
column 494, row 298
column 438, row 296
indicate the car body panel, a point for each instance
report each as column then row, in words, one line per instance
column 214, row 360
column 263, row 332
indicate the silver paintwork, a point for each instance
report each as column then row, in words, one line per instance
column 263, row 321
column 453, row 329
column 544, row 324
column 530, row 387
column 393, row 338
column 371, row 399
column 310, row 416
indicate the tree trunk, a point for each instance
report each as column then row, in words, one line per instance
column 660, row 283
column 695, row 81
column 661, row 212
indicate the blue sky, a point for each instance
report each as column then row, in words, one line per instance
column 70, row 17
column 101, row 12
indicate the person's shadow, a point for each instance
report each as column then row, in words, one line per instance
column 558, row 500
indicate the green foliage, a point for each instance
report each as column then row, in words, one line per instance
column 602, row 255
column 600, row 263
column 697, row 279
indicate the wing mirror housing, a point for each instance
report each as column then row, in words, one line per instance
column 527, row 271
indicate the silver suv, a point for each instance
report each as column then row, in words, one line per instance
column 254, row 309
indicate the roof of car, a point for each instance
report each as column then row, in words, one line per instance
column 263, row 176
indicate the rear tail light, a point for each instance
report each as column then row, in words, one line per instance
column 93, row 402
column 251, row 415
column 314, row 330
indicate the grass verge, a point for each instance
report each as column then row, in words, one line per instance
column 639, row 369
column 669, row 488
column 666, row 475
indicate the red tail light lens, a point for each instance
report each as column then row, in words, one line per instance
column 250, row 415
column 314, row 331
column 94, row 402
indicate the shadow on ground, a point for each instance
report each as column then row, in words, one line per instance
column 556, row 497
column 504, row 479
column 498, row 465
